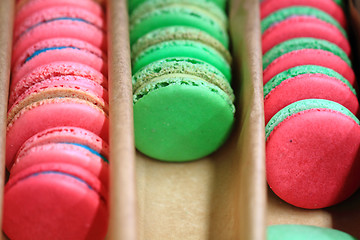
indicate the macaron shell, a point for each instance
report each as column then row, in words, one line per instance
column 303, row 26
column 68, row 134
column 25, row 8
column 180, row 122
column 298, row 88
column 309, row 57
column 302, row 153
column 60, row 29
column 58, row 12
column 47, row 205
column 63, row 153
column 40, row 115
column 329, row 6
column 55, row 69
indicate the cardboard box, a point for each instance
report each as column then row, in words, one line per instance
column 220, row 197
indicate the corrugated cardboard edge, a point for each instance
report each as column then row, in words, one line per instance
column 6, row 28
column 122, row 151
column 246, row 42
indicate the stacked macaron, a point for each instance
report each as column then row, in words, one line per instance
column 310, row 103
column 57, row 125
column 183, row 101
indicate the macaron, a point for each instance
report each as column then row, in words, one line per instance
column 49, row 23
column 178, row 33
column 308, row 232
column 25, row 8
column 180, row 114
column 68, row 145
column 312, row 156
column 182, row 48
column 59, row 49
column 306, row 51
column 296, row 11
column 335, row 10
column 64, row 86
column 134, row 4
column 209, row 7
column 178, row 15
column 308, row 81
column 40, row 115
column 55, row 201
column 303, row 26
column 55, row 69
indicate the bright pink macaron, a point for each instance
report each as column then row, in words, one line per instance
column 55, row 69
column 25, row 7
column 65, row 145
column 55, row 201
column 308, row 81
column 312, row 153
column 59, row 49
column 49, row 24
column 303, row 26
column 267, row 7
column 54, row 112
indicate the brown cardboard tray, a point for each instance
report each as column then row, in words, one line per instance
column 221, row 197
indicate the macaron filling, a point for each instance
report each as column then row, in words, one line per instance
column 305, row 105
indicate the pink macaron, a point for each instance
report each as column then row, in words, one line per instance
column 49, row 113
column 267, row 7
column 303, row 26
column 309, row 57
column 55, row 201
column 55, row 69
column 59, row 49
column 27, row 7
column 48, row 24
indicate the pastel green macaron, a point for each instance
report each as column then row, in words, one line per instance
column 178, row 33
column 178, row 15
column 183, row 109
column 182, row 48
column 303, row 43
column 302, row 232
column 289, row 12
column 134, row 4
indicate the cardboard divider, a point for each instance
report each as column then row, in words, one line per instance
column 122, row 150
column 6, row 29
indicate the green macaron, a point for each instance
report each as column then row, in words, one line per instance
column 134, row 4
column 182, row 48
column 183, row 109
column 304, row 105
column 289, row 12
column 302, row 232
column 178, row 15
column 178, row 33
column 303, row 43
column 303, row 69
